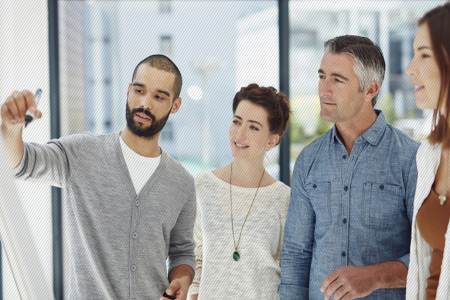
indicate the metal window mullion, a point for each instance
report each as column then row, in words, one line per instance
column 283, row 29
column 58, row 283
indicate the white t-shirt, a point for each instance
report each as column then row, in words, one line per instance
column 141, row 168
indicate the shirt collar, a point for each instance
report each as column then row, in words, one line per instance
column 371, row 135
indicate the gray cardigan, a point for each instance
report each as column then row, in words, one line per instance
column 118, row 241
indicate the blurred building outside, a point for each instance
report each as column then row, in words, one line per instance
column 239, row 42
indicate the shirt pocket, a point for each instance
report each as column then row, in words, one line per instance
column 320, row 197
column 381, row 205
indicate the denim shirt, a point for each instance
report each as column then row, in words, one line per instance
column 348, row 210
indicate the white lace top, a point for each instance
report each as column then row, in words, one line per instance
column 257, row 274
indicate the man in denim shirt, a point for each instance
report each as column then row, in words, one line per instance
column 348, row 227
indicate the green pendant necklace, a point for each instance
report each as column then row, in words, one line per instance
column 236, row 254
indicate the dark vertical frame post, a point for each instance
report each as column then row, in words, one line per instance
column 283, row 28
column 53, row 33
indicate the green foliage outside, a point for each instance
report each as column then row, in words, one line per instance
column 306, row 124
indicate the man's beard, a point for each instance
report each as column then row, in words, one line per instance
column 147, row 132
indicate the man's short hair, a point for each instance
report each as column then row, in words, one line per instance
column 369, row 61
column 162, row 62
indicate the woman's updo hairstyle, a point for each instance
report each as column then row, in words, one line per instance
column 276, row 105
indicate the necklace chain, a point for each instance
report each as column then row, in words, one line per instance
column 251, row 205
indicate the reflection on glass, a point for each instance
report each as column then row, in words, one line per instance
column 218, row 46
column 166, row 45
column 391, row 25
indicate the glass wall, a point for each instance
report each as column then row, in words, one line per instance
column 218, row 46
column 390, row 24
column 24, row 65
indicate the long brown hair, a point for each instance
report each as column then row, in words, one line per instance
column 438, row 21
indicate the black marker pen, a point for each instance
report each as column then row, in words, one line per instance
column 29, row 115
column 170, row 297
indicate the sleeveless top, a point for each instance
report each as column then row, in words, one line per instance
column 432, row 220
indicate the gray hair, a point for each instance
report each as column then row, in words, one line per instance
column 369, row 61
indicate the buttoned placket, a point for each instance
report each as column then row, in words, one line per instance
column 134, row 237
column 347, row 164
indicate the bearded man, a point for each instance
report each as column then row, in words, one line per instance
column 130, row 207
